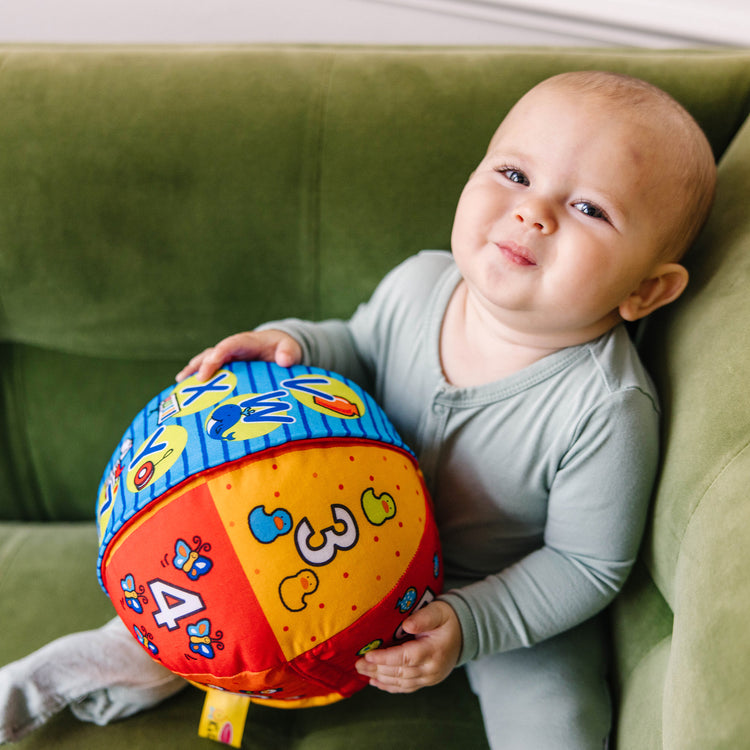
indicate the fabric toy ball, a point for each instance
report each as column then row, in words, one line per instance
column 261, row 531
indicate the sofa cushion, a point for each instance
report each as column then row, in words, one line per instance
column 641, row 623
column 65, row 415
column 697, row 545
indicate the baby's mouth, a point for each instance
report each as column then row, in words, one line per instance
column 518, row 254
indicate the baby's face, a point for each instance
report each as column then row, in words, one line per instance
column 565, row 215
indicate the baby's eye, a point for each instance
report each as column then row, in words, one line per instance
column 514, row 175
column 591, row 209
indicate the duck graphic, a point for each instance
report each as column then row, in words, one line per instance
column 267, row 527
column 378, row 508
column 293, row 590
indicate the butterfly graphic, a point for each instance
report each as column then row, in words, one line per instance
column 144, row 638
column 190, row 560
column 201, row 641
column 133, row 597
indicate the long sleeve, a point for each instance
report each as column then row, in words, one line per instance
column 596, row 512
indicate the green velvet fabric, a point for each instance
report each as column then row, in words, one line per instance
column 155, row 199
column 369, row 721
column 697, row 548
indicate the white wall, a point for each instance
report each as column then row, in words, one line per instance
column 653, row 23
column 648, row 23
column 342, row 21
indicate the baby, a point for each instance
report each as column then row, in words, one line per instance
column 505, row 365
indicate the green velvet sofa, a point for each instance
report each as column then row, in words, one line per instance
column 153, row 200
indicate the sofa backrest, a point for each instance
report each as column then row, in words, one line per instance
column 153, row 200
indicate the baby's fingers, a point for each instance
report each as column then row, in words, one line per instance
column 214, row 358
column 269, row 345
column 192, row 366
column 396, row 670
column 205, row 364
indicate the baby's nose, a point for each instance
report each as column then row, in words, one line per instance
column 538, row 214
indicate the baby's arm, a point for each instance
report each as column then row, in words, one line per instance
column 596, row 514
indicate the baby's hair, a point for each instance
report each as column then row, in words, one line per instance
column 691, row 154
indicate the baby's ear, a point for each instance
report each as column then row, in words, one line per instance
column 666, row 283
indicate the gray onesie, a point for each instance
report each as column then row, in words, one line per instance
column 540, row 481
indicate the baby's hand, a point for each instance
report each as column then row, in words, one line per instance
column 267, row 346
column 427, row 660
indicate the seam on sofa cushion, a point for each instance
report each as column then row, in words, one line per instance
column 317, row 134
column 680, row 538
column 710, row 486
column 4, row 60
column 9, row 551
column 705, row 492
column 645, row 656
column 20, row 448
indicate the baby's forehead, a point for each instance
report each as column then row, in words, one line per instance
column 644, row 126
column 631, row 110
column 623, row 152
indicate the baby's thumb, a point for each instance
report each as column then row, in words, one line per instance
column 288, row 353
column 424, row 620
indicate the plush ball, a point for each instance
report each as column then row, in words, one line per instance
column 261, row 531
